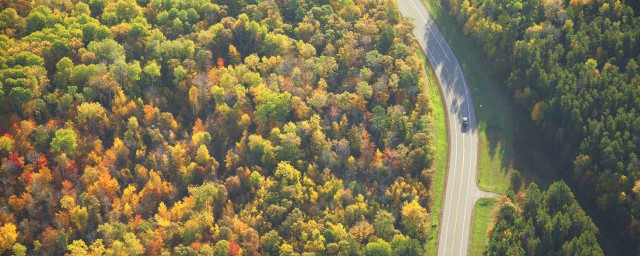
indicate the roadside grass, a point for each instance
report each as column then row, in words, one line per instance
column 507, row 138
column 439, row 131
column 494, row 129
column 435, row 9
column 482, row 216
column 492, row 106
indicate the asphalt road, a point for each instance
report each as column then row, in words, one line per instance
column 461, row 189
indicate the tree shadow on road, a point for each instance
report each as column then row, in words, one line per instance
column 508, row 138
column 512, row 140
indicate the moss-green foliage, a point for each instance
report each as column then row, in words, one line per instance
column 545, row 223
column 574, row 65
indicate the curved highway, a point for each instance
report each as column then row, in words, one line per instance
column 461, row 190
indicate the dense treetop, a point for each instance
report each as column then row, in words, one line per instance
column 543, row 223
column 574, row 64
column 213, row 127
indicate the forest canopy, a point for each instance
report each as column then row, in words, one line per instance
column 539, row 222
column 574, row 65
column 212, row 127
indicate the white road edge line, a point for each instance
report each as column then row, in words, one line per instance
column 455, row 125
column 470, row 157
column 454, row 172
column 425, row 22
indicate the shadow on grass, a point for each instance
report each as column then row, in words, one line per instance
column 513, row 141
column 508, row 136
column 483, row 213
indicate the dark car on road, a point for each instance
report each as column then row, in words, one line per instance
column 465, row 121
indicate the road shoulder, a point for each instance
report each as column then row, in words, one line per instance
column 440, row 130
column 483, row 216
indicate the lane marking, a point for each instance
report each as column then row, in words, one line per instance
column 451, row 78
column 426, row 22
column 454, row 170
column 406, row 13
column 439, row 40
column 470, row 156
column 455, row 226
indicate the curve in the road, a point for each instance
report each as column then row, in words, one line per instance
column 461, row 190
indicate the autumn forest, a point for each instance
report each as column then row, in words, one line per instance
column 302, row 127
column 212, row 127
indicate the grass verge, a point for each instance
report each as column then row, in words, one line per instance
column 492, row 105
column 494, row 123
column 439, row 131
column 482, row 217
column 507, row 137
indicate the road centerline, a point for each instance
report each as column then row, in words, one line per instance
column 461, row 189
